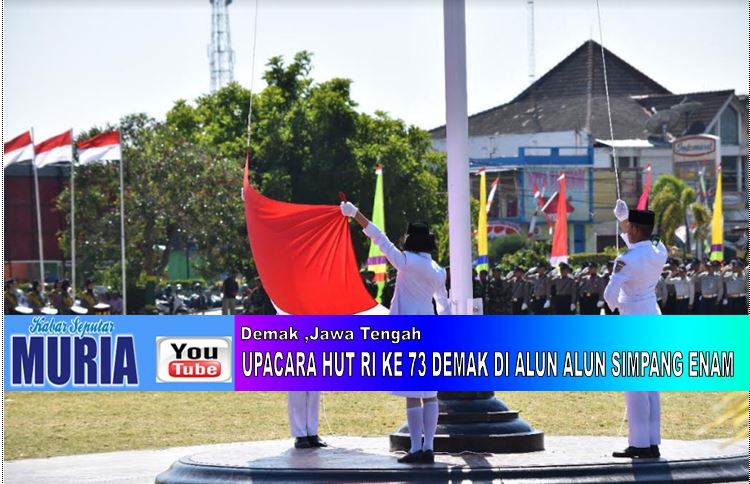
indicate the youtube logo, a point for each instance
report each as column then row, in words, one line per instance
column 193, row 359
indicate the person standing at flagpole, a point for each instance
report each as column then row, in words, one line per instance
column 106, row 147
column 632, row 290
column 419, row 281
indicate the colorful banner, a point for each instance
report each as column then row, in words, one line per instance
column 375, row 259
column 482, row 262
column 717, row 222
column 376, row 353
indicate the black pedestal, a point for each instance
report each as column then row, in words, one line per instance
column 476, row 422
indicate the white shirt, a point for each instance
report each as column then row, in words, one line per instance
column 418, row 281
column 632, row 287
column 683, row 288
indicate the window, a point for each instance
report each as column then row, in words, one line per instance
column 626, row 162
column 579, row 238
column 728, row 127
column 729, row 174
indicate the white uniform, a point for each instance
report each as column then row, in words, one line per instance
column 419, row 280
column 632, row 289
column 304, row 408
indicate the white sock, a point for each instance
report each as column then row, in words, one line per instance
column 414, row 419
column 430, row 420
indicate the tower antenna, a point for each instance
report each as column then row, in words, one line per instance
column 220, row 53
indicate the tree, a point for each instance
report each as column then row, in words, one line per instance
column 672, row 202
column 183, row 176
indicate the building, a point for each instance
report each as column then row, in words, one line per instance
column 560, row 123
column 21, row 236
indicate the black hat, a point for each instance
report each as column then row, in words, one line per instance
column 736, row 263
column 641, row 217
column 419, row 238
column 682, row 267
column 610, row 263
column 593, row 264
column 541, row 264
column 518, row 269
column 715, row 263
column 564, row 265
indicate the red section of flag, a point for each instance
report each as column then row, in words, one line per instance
column 18, row 142
column 304, row 255
column 643, row 201
column 64, row 139
column 560, row 235
column 103, row 139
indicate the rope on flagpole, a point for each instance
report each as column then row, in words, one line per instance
column 252, row 74
column 609, row 117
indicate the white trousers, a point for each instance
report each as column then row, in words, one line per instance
column 304, row 408
column 644, row 418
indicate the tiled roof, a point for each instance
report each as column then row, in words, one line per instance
column 560, row 101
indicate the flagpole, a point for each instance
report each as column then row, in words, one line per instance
column 122, row 238
column 72, row 223
column 38, row 217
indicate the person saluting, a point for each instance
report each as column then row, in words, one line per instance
column 632, row 290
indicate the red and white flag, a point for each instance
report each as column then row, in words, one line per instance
column 20, row 148
column 560, row 236
column 491, row 196
column 104, row 146
column 643, row 201
column 57, row 149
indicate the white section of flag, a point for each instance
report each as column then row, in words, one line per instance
column 100, row 153
column 55, row 155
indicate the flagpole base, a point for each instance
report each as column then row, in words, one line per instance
column 476, row 422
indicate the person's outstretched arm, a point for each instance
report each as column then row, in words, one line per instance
column 390, row 251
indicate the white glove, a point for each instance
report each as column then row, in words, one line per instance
column 600, row 304
column 573, row 307
column 724, row 302
column 524, row 307
column 348, row 209
column 546, row 304
column 621, row 210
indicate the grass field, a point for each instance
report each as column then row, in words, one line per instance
column 49, row 424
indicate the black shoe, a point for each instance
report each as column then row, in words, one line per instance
column 634, row 453
column 315, row 441
column 302, row 443
column 655, row 451
column 428, row 457
column 412, row 458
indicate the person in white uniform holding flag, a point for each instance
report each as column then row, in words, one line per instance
column 632, row 290
column 419, row 281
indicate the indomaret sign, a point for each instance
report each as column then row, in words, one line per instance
column 700, row 148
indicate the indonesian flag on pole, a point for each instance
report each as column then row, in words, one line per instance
column 57, row 149
column 491, row 196
column 20, row 148
column 104, row 146
column 560, row 236
column 643, row 201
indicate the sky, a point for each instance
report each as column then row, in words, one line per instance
column 82, row 63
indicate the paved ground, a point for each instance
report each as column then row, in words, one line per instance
column 345, row 452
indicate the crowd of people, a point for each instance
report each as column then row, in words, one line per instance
column 694, row 287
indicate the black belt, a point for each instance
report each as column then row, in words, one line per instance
column 738, row 296
column 681, row 298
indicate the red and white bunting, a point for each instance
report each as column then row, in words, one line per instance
column 20, row 148
column 57, row 149
column 491, row 196
column 102, row 147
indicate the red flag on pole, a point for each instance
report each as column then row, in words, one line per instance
column 20, row 148
column 104, row 146
column 643, row 201
column 560, row 235
column 57, row 149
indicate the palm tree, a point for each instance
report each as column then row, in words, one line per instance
column 672, row 200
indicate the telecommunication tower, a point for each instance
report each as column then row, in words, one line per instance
column 220, row 53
